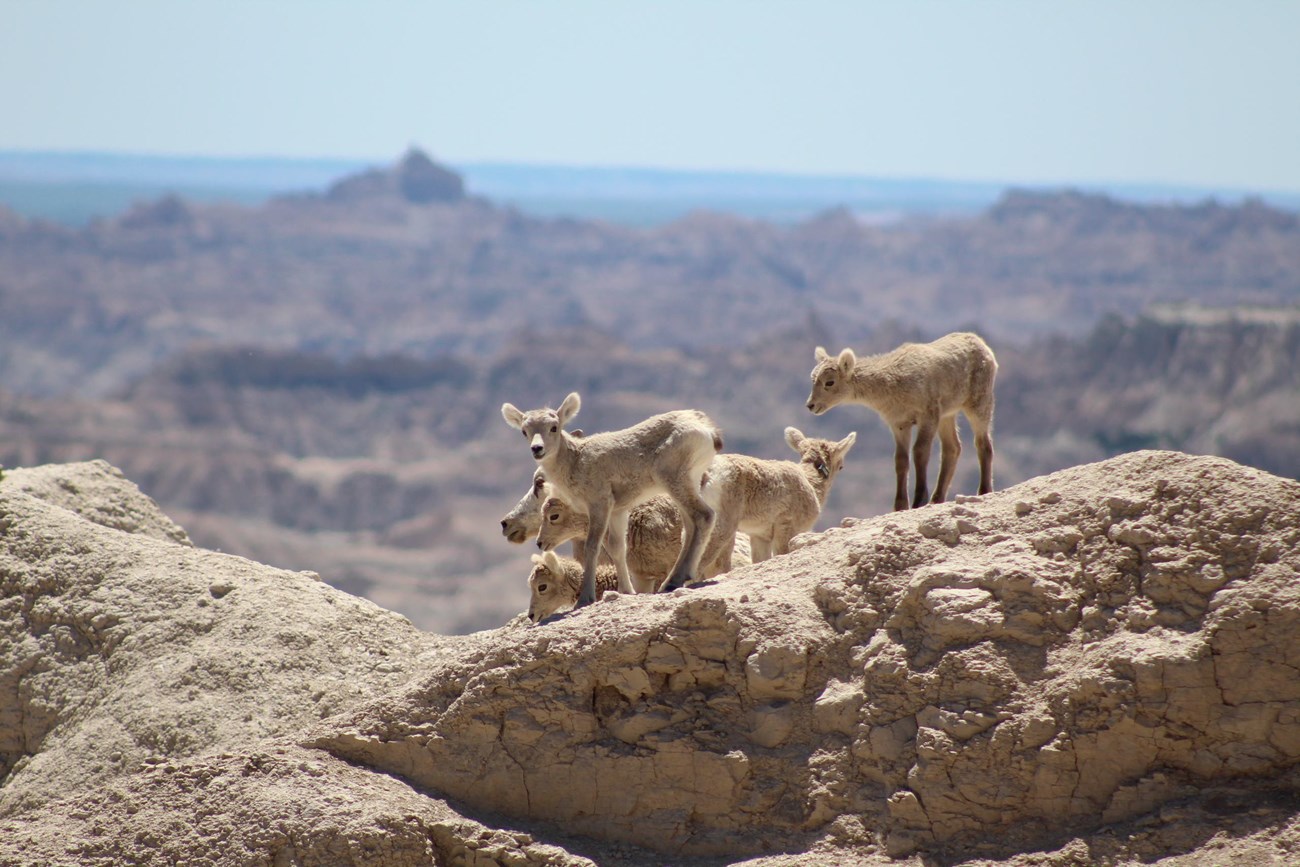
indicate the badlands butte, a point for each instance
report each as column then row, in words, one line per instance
column 1099, row 665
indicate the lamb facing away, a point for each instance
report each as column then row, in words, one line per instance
column 554, row 583
column 606, row 474
column 772, row 501
column 654, row 539
column 923, row 385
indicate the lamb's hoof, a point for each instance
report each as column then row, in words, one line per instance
column 584, row 601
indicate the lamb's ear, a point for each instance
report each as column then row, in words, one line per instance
column 569, row 408
column 842, row 447
column 794, row 438
column 512, row 415
column 846, row 362
column 552, row 561
column 537, row 559
column 820, row 354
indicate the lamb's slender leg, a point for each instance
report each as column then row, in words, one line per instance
column 925, row 430
column 984, row 448
column 760, row 549
column 781, row 541
column 597, row 521
column 902, row 434
column 616, row 546
column 950, row 451
column 721, row 564
column 697, row 522
column 716, row 558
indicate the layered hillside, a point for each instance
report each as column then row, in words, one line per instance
column 1098, row 663
column 400, row 261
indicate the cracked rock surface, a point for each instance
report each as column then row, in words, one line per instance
column 1103, row 663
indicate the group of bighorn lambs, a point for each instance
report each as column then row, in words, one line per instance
column 666, row 507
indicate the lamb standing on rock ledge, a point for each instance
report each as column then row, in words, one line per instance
column 923, row 385
column 772, row 501
column 606, row 474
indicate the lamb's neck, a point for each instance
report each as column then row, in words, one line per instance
column 573, row 580
column 820, row 484
column 872, row 382
column 558, row 466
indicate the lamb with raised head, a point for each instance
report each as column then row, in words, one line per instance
column 606, row 474
column 921, row 385
column 772, row 501
column 654, row 539
column 555, row 581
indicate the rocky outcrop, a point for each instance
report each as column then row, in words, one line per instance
column 151, row 692
column 1109, row 644
column 1074, row 651
column 99, row 493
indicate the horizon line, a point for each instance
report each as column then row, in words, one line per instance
column 730, row 172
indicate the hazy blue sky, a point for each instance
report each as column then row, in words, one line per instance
column 1191, row 92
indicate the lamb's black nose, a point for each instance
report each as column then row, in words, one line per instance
column 537, row 451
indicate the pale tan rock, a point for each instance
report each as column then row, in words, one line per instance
column 950, row 658
column 1108, row 674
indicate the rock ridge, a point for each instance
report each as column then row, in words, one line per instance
column 1110, row 646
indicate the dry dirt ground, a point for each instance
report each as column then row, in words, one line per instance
column 1096, row 666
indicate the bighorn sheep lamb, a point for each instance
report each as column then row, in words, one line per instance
column 923, row 385
column 606, row 474
column 654, row 539
column 554, row 583
column 772, row 501
column 521, row 522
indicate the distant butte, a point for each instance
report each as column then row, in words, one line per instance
column 416, row 178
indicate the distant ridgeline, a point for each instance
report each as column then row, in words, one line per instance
column 405, row 261
column 73, row 188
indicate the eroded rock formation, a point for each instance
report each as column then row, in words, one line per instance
column 1073, row 651
column 1113, row 643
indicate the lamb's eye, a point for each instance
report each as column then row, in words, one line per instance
column 553, row 518
column 525, row 433
column 541, row 588
column 554, row 428
column 830, row 383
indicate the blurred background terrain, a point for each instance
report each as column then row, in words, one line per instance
column 306, row 367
